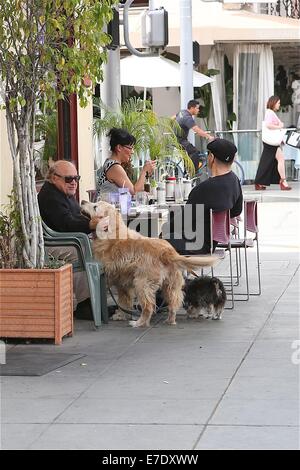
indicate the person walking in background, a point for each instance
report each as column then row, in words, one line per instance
column 271, row 168
column 112, row 175
column 185, row 119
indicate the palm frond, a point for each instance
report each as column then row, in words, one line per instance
column 154, row 134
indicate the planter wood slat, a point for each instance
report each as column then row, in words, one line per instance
column 18, row 330
column 25, row 292
column 14, row 320
column 28, row 302
column 19, row 312
column 26, row 284
column 36, row 275
column 36, row 303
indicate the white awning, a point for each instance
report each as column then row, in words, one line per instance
column 155, row 72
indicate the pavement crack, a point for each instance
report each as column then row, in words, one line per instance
column 245, row 357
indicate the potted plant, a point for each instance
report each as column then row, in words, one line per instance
column 155, row 135
column 46, row 49
column 35, row 303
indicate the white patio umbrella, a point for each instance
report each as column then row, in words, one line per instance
column 155, row 72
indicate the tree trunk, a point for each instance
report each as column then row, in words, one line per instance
column 24, row 183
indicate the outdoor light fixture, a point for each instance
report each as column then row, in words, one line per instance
column 113, row 29
column 155, row 28
column 155, row 34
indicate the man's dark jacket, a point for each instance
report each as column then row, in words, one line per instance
column 61, row 212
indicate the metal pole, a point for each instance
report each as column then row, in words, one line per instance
column 186, row 55
column 186, row 52
column 110, row 88
column 110, row 91
column 154, row 4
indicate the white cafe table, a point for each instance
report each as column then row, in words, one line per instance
column 292, row 153
column 147, row 219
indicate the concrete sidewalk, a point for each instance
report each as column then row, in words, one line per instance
column 232, row 384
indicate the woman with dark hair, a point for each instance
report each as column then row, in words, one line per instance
column 271, row 168
column 113, row 175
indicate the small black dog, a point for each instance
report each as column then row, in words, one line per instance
column 204, row 296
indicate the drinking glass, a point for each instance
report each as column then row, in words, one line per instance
column 105, row 197
column 141, row 198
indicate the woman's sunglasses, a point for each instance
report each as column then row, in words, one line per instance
column 129, row 147
column 68, row 179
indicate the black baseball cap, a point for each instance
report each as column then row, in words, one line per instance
column 222, row 149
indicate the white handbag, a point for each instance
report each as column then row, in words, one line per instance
column 272, row 136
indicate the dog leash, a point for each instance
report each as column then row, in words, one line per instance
column 131, row 312
column 194, row 274
column 136, row 312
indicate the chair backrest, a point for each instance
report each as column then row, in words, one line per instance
column 250, row 211
column 220, row 226
column 94, row 270
column 78, row 239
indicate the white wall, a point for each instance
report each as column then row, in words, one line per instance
column 85, row 149
column 6, row 167
column 85, row 154
column 166, row 101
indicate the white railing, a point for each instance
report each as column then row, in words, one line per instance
column 249, row 144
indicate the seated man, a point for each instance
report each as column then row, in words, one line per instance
column 61, row 212
column 220, row 192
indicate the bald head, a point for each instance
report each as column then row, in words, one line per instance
column 64, row 166
column 62, row 174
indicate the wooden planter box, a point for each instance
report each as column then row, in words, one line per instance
column 36, row 303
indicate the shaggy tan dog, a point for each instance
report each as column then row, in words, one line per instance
column 139, row 266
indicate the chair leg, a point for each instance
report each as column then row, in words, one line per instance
column 258, row 270
column 97, row 292
column 231, row 282
column 240, row 264
column 247, row 293
column 238, row 267
column 246, row 272
column 103, row 297
column 258, row 267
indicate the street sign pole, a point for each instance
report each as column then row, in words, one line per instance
column 186, row 55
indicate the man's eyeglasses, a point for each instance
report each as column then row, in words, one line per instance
column 68, row 179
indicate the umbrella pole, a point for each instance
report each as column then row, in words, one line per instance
column 145, row 97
